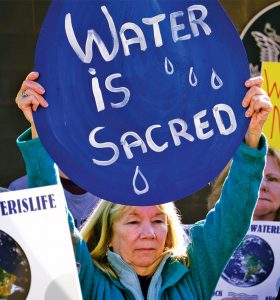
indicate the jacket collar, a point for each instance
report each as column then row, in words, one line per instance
column 127, row 275
column 168, row 273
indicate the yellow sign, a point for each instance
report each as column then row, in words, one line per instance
column 271, row 75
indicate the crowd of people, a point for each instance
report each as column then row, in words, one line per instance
column 130, row 252
column 141, row 252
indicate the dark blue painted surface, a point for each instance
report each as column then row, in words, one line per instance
column 156, row 98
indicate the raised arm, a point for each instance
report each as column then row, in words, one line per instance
column 42, row 171
column 39, row 166
column 215, row 239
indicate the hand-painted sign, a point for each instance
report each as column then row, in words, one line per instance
column 145, row 96
column 271, row 75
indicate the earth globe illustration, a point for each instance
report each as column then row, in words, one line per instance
column 15, row 274
column 251, row 263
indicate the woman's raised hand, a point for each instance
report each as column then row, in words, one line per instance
column 30, row 97
column 258, row 106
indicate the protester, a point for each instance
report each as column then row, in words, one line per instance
column 268, row 205
column 80, row 202
column 139, row 252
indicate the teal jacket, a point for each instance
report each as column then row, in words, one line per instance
column 213, row 240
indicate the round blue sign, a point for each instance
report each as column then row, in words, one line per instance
column 144, row 96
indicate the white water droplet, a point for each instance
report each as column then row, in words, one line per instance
column 216, row 81
column 139, row 174
column 192, row 77
column 169, row 69
column 92, row 71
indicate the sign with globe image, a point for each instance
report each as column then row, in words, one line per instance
column 252, row 272
column 251, row 263
column 31, row 267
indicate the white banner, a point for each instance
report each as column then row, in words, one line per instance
column 253, row 272
column 36, row 253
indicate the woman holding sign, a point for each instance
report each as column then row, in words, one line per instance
column 140, row 252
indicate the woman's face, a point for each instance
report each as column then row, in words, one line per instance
column 269, row 196
column 139, row 236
